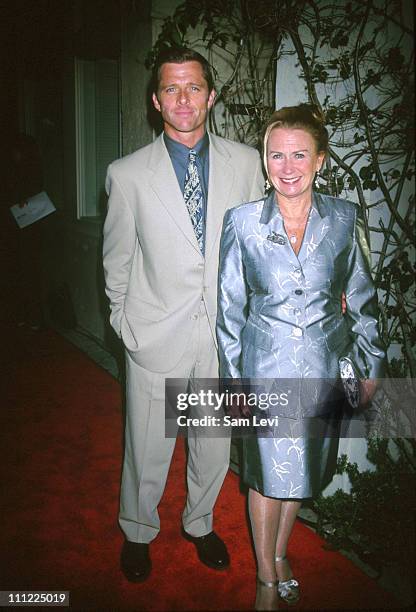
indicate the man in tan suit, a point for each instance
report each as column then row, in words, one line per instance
column 161, row 267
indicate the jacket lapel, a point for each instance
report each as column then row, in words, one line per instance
column 166, row 187
column 272, row 218
column 316, row 229
column 221, row 179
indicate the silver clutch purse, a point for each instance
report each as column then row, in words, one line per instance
column 350, row 382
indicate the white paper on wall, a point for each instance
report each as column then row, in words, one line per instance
column 35, row 208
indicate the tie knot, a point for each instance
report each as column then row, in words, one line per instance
column 192, row 155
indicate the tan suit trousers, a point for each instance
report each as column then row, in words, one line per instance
column 148, row 452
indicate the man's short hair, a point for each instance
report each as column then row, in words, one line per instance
column 180, row 55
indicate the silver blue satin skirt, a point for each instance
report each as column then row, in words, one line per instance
column 292, row 466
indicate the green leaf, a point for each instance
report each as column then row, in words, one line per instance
column 366, row 172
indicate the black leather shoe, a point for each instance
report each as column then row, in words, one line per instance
column 135, row 561
column 211, row 550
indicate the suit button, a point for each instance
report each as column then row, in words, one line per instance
column 298, row 291
column 194, row 316
column 297, row 311
column 297, row 332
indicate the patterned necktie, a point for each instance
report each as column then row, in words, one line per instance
column 192, row 194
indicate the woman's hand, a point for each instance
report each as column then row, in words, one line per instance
column 367, row 389
column 343, row 303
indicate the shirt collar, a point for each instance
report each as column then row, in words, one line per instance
column 271, row 208
column 177, row 148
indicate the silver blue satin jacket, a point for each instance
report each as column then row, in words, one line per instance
column 279, row 313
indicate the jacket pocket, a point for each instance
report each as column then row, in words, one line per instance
column 255, row 335
column 144, row 311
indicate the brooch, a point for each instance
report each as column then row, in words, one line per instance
column 277, row 238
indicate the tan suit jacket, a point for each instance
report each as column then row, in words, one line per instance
column 155, row 274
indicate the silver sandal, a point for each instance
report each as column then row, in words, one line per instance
column 288, row 589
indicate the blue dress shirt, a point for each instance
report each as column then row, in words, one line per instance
column 179, row 155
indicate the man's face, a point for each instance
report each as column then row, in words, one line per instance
column 183, row 100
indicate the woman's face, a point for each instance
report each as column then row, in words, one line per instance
column 292, row 161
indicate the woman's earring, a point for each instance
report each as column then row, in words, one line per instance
column 317, row 177
column 267, row 185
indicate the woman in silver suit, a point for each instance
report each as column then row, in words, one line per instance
column 285, row 262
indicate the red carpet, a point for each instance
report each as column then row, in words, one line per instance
column 61, row 451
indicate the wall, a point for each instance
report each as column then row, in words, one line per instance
column 136, row 41
column 73, row 247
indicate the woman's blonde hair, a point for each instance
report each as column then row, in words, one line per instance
column 308, row 117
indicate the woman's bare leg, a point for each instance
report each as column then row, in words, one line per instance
column 288, row 587
column 264, row 517
column 288, row 514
